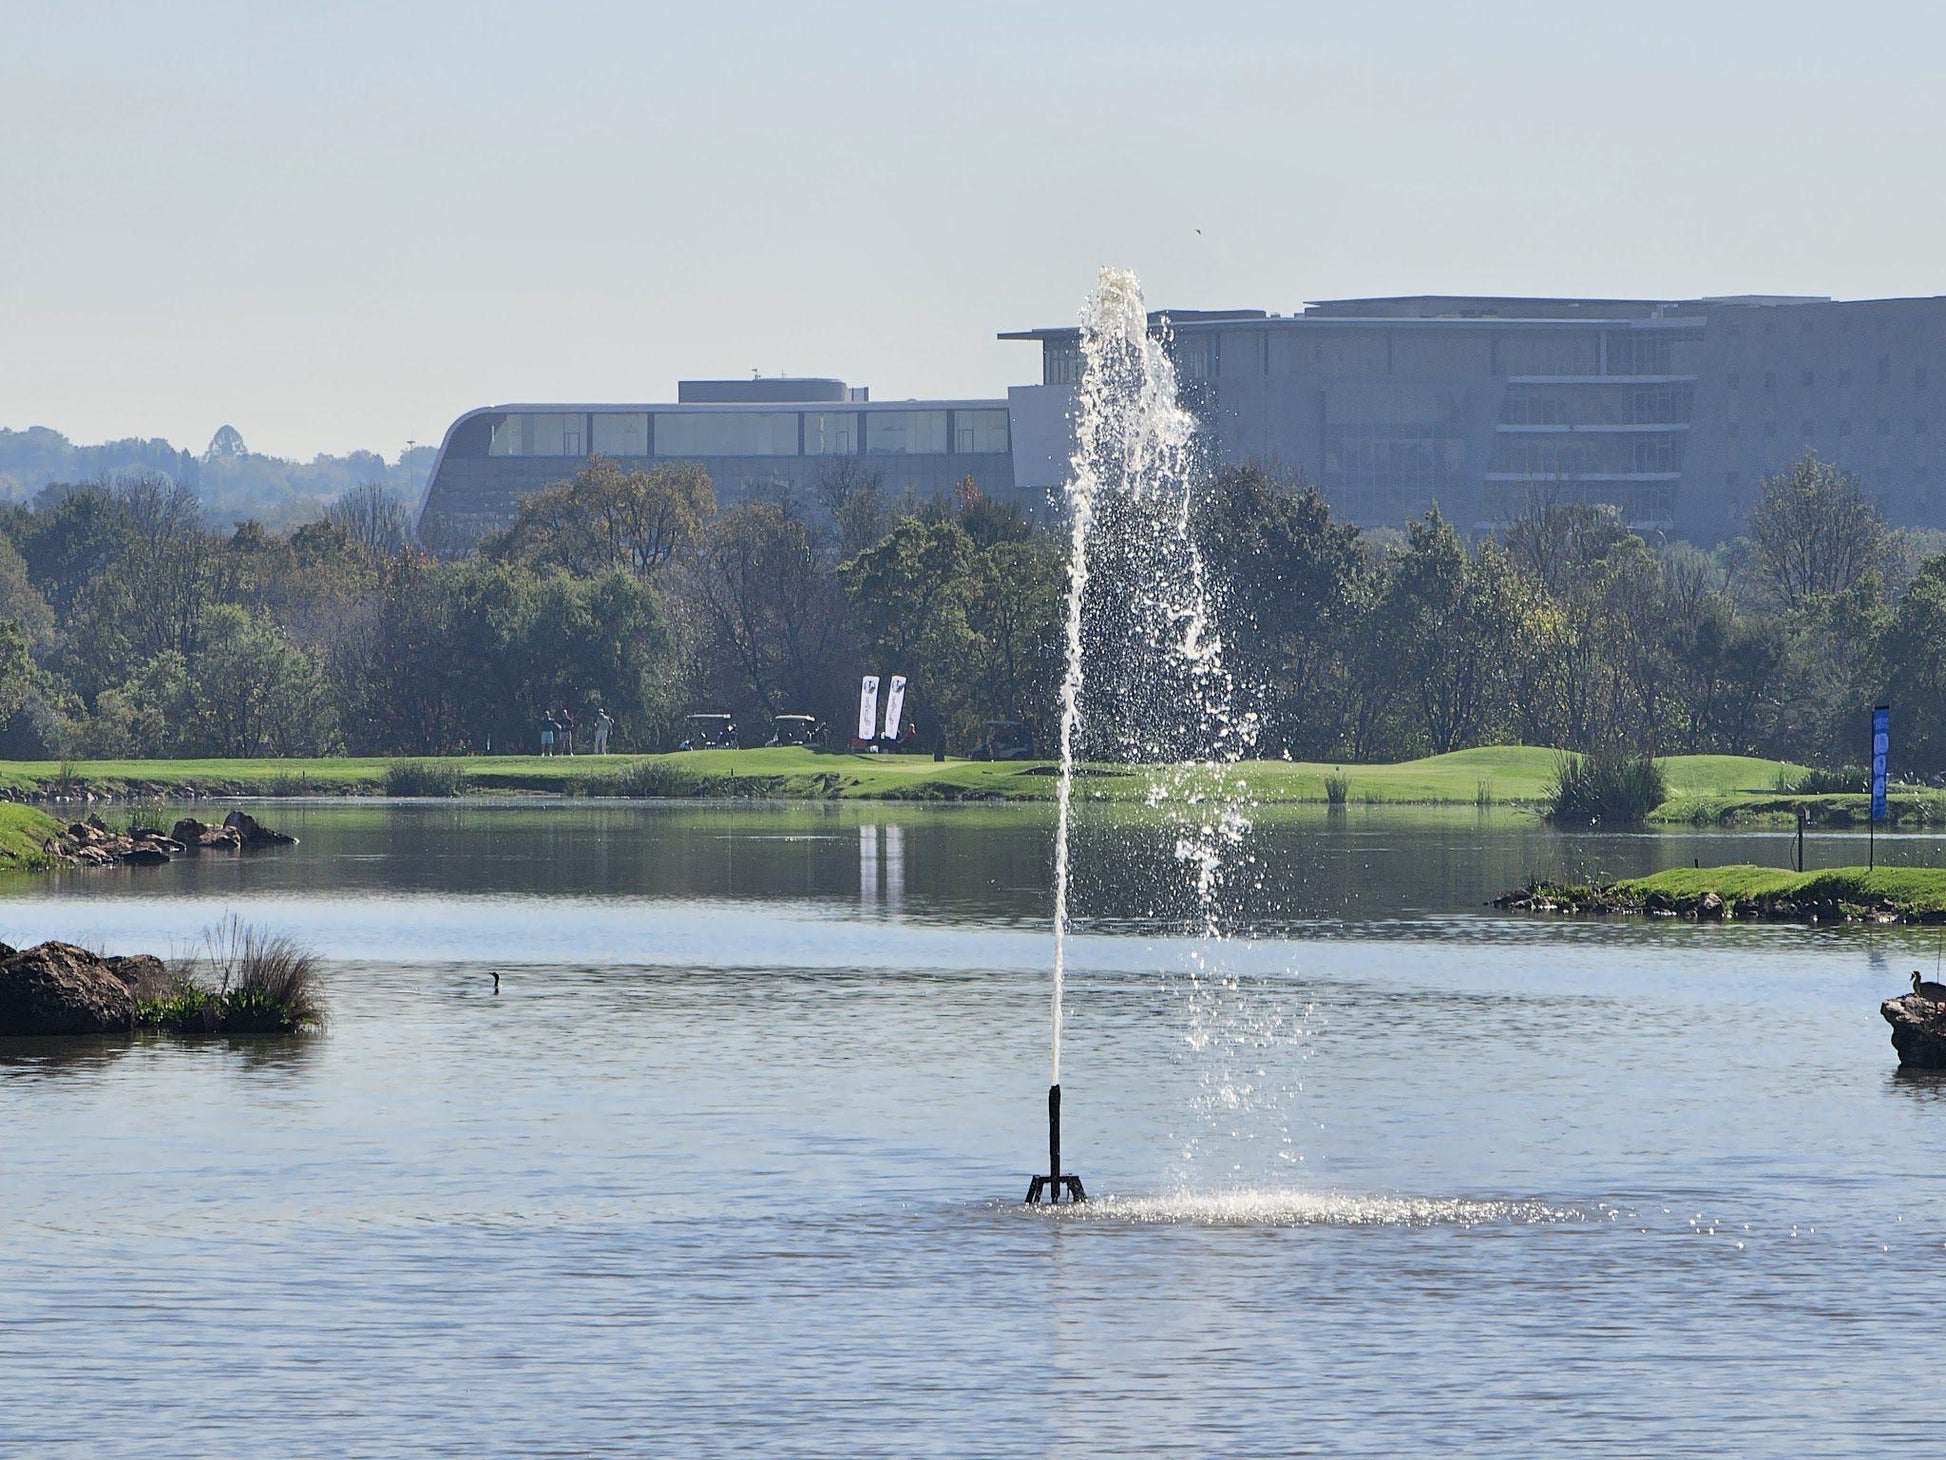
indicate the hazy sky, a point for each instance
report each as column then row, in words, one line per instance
column 340, row 225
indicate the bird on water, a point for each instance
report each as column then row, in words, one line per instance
column 496, row 982
column 1925, row 988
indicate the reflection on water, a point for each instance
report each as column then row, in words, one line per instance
column 731, row 1161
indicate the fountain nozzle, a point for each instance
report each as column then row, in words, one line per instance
column 1056, row 1181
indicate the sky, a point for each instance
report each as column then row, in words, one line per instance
column 338, row 226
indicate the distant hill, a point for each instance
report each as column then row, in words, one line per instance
column 233, row 482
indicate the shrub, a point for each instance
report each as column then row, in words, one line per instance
column 1828, row 783
column 253, row 982
column 1607, row 787
column 425, row 778
column 1337, row 788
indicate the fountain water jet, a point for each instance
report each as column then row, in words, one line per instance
column 1134, row 454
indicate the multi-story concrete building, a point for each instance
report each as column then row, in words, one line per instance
column 1672, row 411
column 755, row 437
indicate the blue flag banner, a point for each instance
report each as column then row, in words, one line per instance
column 1881, row 746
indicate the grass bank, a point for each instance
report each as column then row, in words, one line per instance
column 1742, row 890
column 1490, row 776
column 24, row 832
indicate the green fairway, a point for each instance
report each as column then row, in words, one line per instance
column 1494, row 775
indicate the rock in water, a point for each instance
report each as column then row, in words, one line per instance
column 1918, row 1031
column 202, row 836
column 254, row 833
column 57, row 988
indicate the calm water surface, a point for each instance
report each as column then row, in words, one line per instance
column 732, row 1162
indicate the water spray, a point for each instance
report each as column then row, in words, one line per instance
column 1134, row 455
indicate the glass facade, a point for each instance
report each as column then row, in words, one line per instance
column 620, row 433
column 831, row 433
column 905, row 433
column 539, row 433
column 979, row 431
column 726, row 433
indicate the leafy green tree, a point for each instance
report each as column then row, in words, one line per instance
column 1453, row 624
column 909, row 595
column 1912, row 668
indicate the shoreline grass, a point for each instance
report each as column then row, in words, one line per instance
column 1746, row 890
column 1518, row 776
column 247, row 981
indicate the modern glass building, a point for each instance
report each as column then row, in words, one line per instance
column 1671, row 411
column 755, row 437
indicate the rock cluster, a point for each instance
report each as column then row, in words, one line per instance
column 1918, row 1031
column 90, row 843
column 58, row 988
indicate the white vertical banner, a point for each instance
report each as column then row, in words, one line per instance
column 868, row 708
column 894, row 706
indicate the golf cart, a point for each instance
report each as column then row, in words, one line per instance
column 710, row 732
column 795, row 730
column 1004, row 740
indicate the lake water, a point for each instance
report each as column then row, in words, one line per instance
column 732, row 1163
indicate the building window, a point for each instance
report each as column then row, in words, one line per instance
column 621, row 434
column 726, row 433
column 541, row 433
column 1060, row 362
column 905, row 433
column 831, row 433
column 981, row 432
column 1195, row 356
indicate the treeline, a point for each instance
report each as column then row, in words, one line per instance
column 129, row 628
column 232, row 482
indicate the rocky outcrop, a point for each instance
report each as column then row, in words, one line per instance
column 90, row 843
column 254, row 833
column 1918, row 1031
column 57, row 988
column 204, row 836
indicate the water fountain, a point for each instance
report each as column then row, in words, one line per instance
column 1133, row 473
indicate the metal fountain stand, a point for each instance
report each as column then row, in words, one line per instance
column 1049, row 1188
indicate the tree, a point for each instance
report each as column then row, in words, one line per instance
column 1453, row 622
column 1912, row 667
column 606, row 518
column 1814, row 533
column 372, row 516
column 909, row 595
column 1286, row 577
column 773, row 633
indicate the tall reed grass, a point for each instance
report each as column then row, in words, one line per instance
column 1607, row 787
